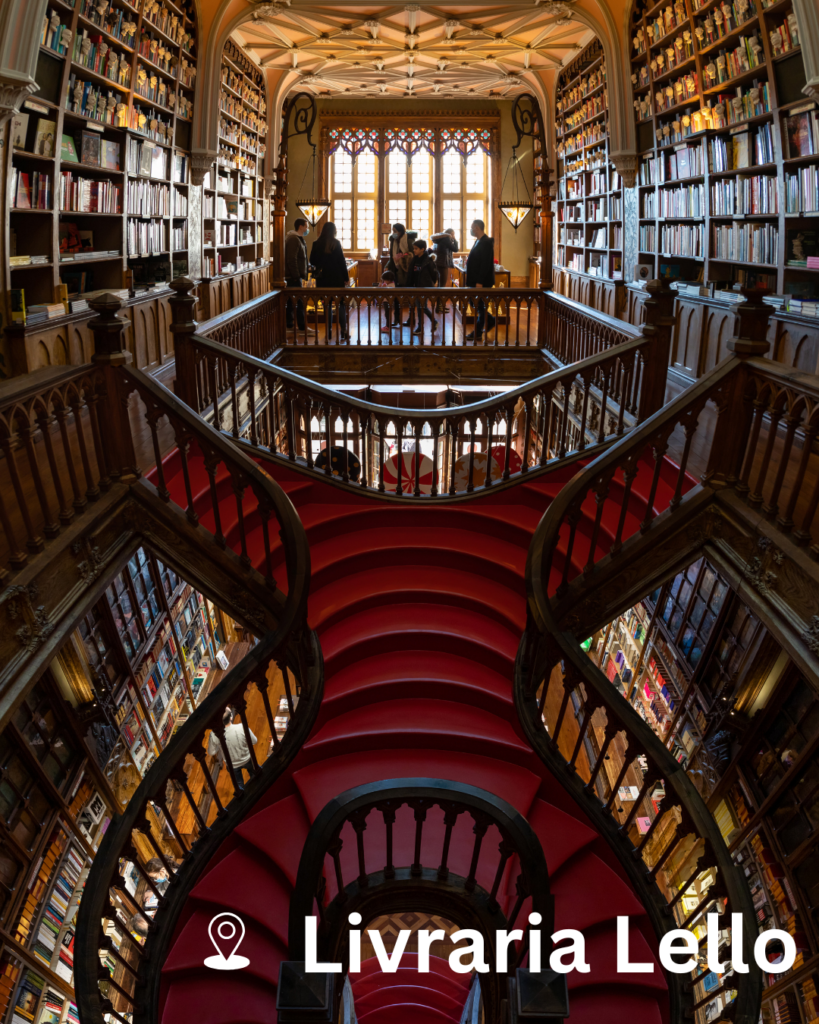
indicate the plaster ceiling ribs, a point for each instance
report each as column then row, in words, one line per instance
column 476, row 49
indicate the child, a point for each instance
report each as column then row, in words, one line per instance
column 388, row 281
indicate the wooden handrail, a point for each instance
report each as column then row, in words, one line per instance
column 562, row 414
column 193, row 794
column 432, row 885
column 555, row 679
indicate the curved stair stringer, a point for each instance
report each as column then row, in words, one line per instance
column 616, row 576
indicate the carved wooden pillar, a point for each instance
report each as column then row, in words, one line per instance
column 495, row 164
column 110, row 354
column 659, row 325
column 381, row 203
column 183, row 325
column 438, row 187
column 807, row 18
column 279, row 218
column 21, row 25
column 546, row 228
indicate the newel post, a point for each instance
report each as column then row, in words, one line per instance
column 659, row 327
column 110, row 404
column 183, row 326
column 735, row 409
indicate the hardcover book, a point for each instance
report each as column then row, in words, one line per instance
column 68, row 151
column 44, row 140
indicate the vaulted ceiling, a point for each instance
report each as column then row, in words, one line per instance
column 412, row 50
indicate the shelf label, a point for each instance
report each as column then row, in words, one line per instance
column 38, row 108
column 94, row 127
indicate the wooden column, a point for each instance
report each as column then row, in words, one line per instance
column 494, row 218
column 438, row 187
column 546, row 228
column 183, row 303
column 110, row 354
column 381, row 202
column 278, row 219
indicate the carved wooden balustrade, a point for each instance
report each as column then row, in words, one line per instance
column 193, row 793
column 594, row 555
column 374, row 316
column 53, row 463
column 563, row 414
column 497, row 886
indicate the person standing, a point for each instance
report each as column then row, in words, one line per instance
column 423, row 273
column 330, row 266
column 295, row 269
column 480, row 273
column 446, row 245
column 398, row 263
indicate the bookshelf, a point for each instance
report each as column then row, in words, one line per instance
column 728, row 146
column 150, row 643
column 111, row 209
column 589, row 189
column 233, row 196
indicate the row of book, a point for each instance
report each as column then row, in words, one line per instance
column 147, row 198
column 143, row 159
column 53, row 36
column 93, row 52
column 746, row 56
column 57, row 914
column 802, row 133
column 116, row 21
column 91, row 100
column 686, row 201
column 30, row 190
column 802, row 190
column 88, row 195
column 744, row 194
column 683, row 240
column 745, row 149
column 745, row 243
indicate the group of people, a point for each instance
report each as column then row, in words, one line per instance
column 409, row 266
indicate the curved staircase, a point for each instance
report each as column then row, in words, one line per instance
column 419, row 611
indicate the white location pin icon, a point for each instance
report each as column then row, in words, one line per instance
column 222, row 930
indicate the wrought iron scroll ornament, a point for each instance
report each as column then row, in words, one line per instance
column 304, row 115
column 527, row 121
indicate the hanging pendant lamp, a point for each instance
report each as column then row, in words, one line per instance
column 515, row 209
column 315, row 208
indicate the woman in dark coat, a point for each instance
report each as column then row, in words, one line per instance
column 330, row 270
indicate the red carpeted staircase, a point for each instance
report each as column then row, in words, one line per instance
column 419, row 610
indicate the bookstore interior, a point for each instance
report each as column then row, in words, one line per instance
column 154, row 142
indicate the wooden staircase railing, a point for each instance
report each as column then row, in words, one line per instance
column 579, row 577
column 564, row 414
column 193, row 794
column 500, row 834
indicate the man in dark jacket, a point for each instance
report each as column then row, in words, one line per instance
column 480, row 273
column 423, row 273
column 295, row 268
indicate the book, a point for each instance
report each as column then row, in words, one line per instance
column 22, row 195
column 145, row 159
column 44, row 140
column 90, row 148
column 742, row 150
column 18, row 306
column 68, row 151
column 19, row 130
column 798, row 135
column 158, row 162
column 110, row 155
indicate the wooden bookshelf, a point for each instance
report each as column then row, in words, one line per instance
column 589, row 189
column 138, row 63
column 715, row 159
column 233, row 196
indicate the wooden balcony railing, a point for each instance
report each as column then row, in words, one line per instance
column 759, row 454
column 343, row 870
column 564, row 414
